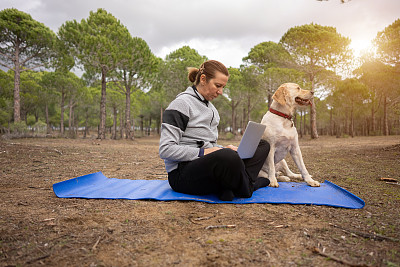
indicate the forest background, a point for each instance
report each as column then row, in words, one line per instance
column 124, row 87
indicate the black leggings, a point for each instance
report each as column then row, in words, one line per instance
column 219, row 171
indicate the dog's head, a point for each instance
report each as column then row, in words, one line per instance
column 292, row 96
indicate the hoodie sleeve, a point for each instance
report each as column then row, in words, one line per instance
column 175, row 120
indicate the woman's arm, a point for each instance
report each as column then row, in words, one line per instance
column 170, row 147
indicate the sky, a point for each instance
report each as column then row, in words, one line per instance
column 223, row 30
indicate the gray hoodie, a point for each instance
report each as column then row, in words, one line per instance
column 189, row 125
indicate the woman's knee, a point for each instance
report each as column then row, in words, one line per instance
column 231, row 157
column 264, row 146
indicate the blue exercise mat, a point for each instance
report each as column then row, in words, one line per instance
column 96, row 185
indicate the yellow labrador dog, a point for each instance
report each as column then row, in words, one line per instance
column 282, row 135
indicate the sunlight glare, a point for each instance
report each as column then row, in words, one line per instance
column 360, row 46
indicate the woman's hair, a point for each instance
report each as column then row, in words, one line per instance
column 209, row 69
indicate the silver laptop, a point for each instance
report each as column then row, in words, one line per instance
column 251, row 137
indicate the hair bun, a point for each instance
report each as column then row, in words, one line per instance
column 192, row 74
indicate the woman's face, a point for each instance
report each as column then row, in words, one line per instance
column 214, row 87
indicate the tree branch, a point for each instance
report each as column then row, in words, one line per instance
column 7, row 56
column 318, row 251
column 367, row 235
column 8, row 67
column 31, row 68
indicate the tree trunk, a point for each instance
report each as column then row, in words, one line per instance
column 373, row 125
column 102, row 126
column 46, row 109
column 295, row 120
column 233, row 117
column 331, row 125
column 86, row 124
column 75, row 119
column 17, row 99
column 248, row 109
column 133, row 129
column 141, row 125
column 114, row 127
column 269, row 99
column 243, row 118
column 121, row 126
column 148, row 130
column 71, row 131
column 161, row 119
column 301, row 124
column 62, row 112
column 128, row 132
column 313, row 115
column 385, row 119
column 338, row 130
column 269, row 92
column 352, row 121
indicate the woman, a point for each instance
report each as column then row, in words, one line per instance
column 195, row 163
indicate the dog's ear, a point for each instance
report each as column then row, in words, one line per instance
column 280, row 95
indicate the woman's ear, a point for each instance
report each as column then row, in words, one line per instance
column 203, row 78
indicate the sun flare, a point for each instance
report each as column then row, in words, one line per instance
column 360, row 46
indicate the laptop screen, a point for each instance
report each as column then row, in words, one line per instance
column 250, row 140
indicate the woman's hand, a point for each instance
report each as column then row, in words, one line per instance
column 211, row 149
column 215, row 148
column 232, row 147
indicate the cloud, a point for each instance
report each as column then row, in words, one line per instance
column 225, row 30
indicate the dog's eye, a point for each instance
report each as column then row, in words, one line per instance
column 298, row 88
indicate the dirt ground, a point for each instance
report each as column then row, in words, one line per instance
column 37, row 228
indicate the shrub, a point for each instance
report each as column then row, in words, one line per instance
column 229, row 136
column 39, row 127
column 19, row 128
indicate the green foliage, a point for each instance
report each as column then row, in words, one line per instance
column 173, row 71
column 24, row 44
column 137, row 70
column 351, row 90
column 254, row 92
column 273, row 77
column 39, row 127
column 315, row 48
column 19, row 128
column 6, row 84
column 388, row 43
column 143, row 84
column 25, row 39
column 99, row 44
column 323, row 112
column 223, row 106
column 269, row 54
column 382, row 79
column 96, row 42
column 138, row 64
column 30, row 120
column 350, row 95
column 6, row 97
column 229, row 136
column 5, row 117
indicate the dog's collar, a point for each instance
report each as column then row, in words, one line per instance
column 289, row 117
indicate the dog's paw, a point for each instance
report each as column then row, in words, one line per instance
column 313, row 183
column 297, row 176
column 274, row 184
column 283, row 178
